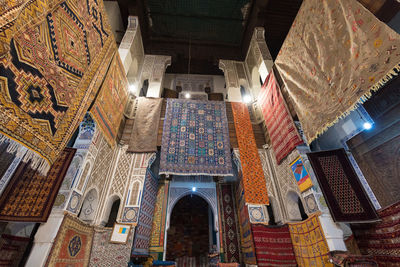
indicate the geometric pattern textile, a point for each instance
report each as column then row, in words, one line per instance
column 109, row 105
column 255, row 191
column 335, row 53
column 282, row 131
column 273, row 245
column 195, row 139
column 309, row 243
column 72, row 244
column 145, row 128
column 52, row 57
column 12, row 249
column 29, row 196
column 159, row 222
column 141, row 241
column 342, row 189
column 381, row 240
column 106, row 254
column 229, row 220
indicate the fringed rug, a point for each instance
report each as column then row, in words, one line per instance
column 12, row 249
column 29, row 196
column 381, row 240
column 281, row 129
column 229, row 219
column 141, row 241
column 273, row 245
column 109, row 106
column 309, row 243
column 195, row 139
column 106, row 254
column 334, row 54
column 343, row 191
column 47, row 80
column 145, row 128
column 72, row 245
column 254, row 185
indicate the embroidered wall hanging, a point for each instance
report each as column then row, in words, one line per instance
column 47, row 80
column 336, row 52
column 281, row 129
column 195, row 139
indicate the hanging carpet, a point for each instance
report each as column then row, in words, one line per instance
column 281, row 129
column 72, row 245
column 273, row 245
column 195, row 139
column 254, row 185
column 229, row 218
column 109, row 106
column 53, row 57
column 309, row 243
column 336, row 52
column 12, row 249
column 381, row 240
column 29, row 196
column 343, row 192
column 145, row 128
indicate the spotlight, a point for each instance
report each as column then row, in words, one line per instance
column 194, row 189
column 367, row 125
column 187, row 95
column 132, row 88
column 246, row 99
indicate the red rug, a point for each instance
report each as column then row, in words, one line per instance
column 381, row 240
column 12, row 248
column 273, row 245
column 282, row 131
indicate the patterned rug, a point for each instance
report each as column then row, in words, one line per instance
column 254, row 185
column 109, row 106
column 72, row 244
column 29, row 196
column 145, row 128
column 381, row 240
column 12, row 249
column 281, row 129
column 229, row 219
column 106, row 254
column 273, row 245
column 159, row 222
column 309, row 243
column 246, row 237
column 141, row 242
column 47, row 80
column 334, row 54
column 195, row 139
column 343, row 191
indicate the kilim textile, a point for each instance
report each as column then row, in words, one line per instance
column 53, row 59
column 12, row 249
column 106, row 254
column 343, row 192
column 255, row 191
column 141, row 241
column 109, row 106
column 246, row 240
column 273, row 245
column 29, row 196
column 145, row 128
column 186, row 261
column 229, row 219
column 381, row 240
column 309, row 243
column 281, row 129
column 334, row 54
column 195, row 139
column 72, row 244
column 159, row 222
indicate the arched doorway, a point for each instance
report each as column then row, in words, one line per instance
column 190, row 230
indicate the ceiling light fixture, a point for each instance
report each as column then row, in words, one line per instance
column 187, row 95
column 194, row 189
column 367, row 125
column 132, row 88
column 246, row 99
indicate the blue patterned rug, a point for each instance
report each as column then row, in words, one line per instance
column 195, row 139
